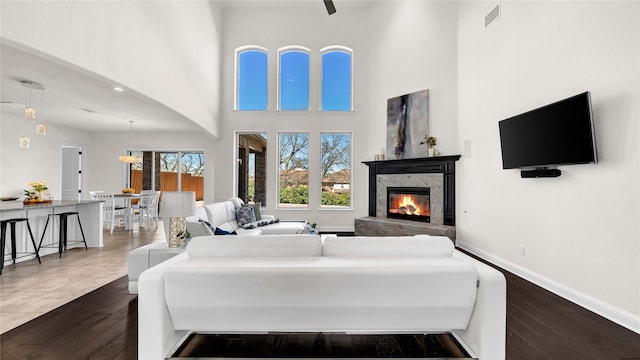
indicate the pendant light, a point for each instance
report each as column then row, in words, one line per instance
column 130, row 158
column 29, row 110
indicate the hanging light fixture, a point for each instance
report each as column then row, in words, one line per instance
column 25, row 142
column 130, row 158
column 41, row 128
column 29, row 110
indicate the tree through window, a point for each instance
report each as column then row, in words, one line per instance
column 294, row 170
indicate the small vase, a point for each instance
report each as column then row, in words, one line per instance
column 431, row 152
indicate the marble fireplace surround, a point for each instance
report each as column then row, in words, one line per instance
column 437, row 173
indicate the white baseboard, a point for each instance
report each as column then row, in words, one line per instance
column 610, row 312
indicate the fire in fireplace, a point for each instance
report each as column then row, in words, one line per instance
column 410, row 203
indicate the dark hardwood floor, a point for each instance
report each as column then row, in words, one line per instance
column 103, row 325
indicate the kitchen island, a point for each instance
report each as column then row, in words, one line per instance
column 90, row 212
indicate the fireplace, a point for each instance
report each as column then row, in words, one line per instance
column 409, row 203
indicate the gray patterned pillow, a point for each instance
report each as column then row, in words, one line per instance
column 245, row 215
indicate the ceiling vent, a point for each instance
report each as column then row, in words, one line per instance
column 492, row 16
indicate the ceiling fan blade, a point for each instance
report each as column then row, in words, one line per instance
column 331, row 9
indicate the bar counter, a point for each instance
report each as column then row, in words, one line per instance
column 90, row 212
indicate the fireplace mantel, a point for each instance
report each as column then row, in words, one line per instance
column 444, row 165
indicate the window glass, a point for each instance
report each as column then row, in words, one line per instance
column 294, row 81
column 336, row 81
column 336, row 169
column 252, row 80
column 252, row 171
column 293, row 189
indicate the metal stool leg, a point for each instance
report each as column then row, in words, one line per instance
column 33, row 242
column 43, row 233
column 13, row 242
column 3, row 231
column 82, row 232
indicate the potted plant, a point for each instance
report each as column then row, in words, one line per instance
column 431, row 142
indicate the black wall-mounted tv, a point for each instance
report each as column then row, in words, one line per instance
column 560, row 133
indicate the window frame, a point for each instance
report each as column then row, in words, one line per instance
column 329, row 49
column 236, row 94
column 284, row 50
column 278, row 187
column 337, row 208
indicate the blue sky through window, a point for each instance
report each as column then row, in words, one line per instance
column 294, row 81
column 336, row 81
column 252, row 80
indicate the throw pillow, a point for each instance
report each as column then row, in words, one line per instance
column 245, row 215
column 219, row 231
column 256, row 210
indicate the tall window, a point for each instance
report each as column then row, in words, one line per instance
column 252, row 167
column 293, row 75
column 293, row 190
column 336, row 169
column 251, row 79
column 169, row 171
column 336, row 78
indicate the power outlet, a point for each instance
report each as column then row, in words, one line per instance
column 522, row 250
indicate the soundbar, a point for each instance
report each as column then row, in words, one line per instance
column 540, row 173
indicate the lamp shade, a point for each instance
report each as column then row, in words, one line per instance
column 178, row 204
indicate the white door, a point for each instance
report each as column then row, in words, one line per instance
column 71, row 173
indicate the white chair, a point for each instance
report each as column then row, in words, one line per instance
column 111, row 212
column 147, row 207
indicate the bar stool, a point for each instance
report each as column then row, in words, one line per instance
column 62, row 237
column 14, row 252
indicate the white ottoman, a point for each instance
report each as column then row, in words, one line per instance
column 144, row 257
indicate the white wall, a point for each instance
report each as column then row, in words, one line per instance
column 166, row 50
column 42, row 161
column 395, row 52
column 414, row 48
column 580, row 230
column 304, row 24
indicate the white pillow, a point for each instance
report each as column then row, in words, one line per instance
column 402, row 246
column 258, row 246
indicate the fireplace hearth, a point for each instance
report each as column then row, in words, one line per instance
column 409, row 203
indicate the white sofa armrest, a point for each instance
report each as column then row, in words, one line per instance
column 486, row 333
column 156, row 333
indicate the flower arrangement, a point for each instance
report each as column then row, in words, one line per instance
column 128, row 190
column 36, row 192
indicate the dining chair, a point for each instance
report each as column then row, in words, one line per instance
column 147, row 207
column 111, row 212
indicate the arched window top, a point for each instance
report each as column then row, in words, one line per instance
column 332, row 48
column 337, row 78
column 293, row 78
column 290, row 48
column 251, row 80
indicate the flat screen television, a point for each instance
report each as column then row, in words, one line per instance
column 560, row 133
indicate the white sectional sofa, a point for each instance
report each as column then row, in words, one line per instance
column 297, row 283
column 221, row 215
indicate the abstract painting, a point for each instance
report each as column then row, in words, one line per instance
column 407, row 124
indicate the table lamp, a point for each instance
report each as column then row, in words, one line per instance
column 175, row 206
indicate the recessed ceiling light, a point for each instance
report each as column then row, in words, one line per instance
column 118, row 88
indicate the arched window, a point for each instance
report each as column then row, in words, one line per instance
column 337, row 75
column 293, row 79
column 251, row 79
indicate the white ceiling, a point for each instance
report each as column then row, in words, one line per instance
column 68, row 89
